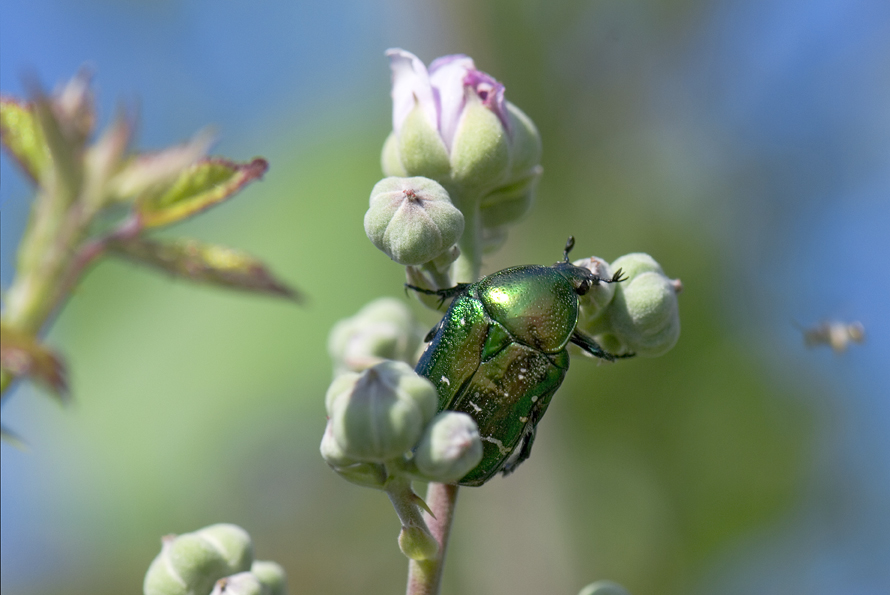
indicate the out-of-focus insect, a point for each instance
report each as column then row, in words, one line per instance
column 836, row 334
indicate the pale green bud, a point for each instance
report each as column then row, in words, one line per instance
column 331, row 451
column 390, row 159
column 480, row 157
column 191, row 563
column 383, row 329
column 412, row 220
column 509, row 203
column 417, row 544
column 370, row 475
column 232, row 541
column 604, row 588
column 271, row 575
column 643, row 317
column 599, row 296
column 449, row 448
column 420, row 147
column 525, row 145
column 383, row 414
column 243, row 583
column 341, row 384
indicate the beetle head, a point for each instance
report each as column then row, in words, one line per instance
column 581, row 279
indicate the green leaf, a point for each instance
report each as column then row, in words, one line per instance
column 22, row 355
column 22, row 138
column 199, row 186
column 204, row 263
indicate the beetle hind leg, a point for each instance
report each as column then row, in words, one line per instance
column 525, row 451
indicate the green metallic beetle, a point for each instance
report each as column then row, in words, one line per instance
column 499, row 353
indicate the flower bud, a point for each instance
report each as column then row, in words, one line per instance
column 449, row 448
column 604, row 588
column 370, row 475
column 643, row 317
column 417, row 544
column 412, row 220
column 510, row 203
column 480, row 156
column 599, row 296
column 341, row 384
column 383, row 329
column 243, row 583
column 452, row 123
column 271, row 575
column 191, row 563
column 383, row 414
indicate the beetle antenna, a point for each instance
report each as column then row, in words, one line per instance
column 570, row 243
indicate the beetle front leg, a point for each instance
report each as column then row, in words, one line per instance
column 444, row 294
column 592, row 347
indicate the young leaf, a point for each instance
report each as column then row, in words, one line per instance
column 198, row 187
column 21, row 135
column 22, row 355
column 204, row 263
column 152, row 174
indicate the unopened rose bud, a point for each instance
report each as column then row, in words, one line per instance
column 600, row 295
column 382, row 415
column 643, row 317
column 509, row 203
column 271, row 575
column 450, row 447
column 243, row 583
column 383, row 329
column 191, row 563
column 412, row 220
column 480, row 155
column 452, row 123
column 370, row 475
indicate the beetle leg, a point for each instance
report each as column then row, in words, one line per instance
column 524, row 453
column 444, row 294
column 592, row 347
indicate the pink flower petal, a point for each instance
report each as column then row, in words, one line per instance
column 447, row 76
column 491, row 92
column 410, row 86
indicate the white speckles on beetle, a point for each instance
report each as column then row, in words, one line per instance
column 498, row 443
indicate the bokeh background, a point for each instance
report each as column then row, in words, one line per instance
column 743, row 143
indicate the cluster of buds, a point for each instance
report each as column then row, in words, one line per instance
column 214, row 560
column 383, row 428
column 638, row 316
column 463, row 164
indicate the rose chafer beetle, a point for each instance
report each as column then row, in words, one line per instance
column 499, row 353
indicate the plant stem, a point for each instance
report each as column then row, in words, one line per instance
column 425, row 576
